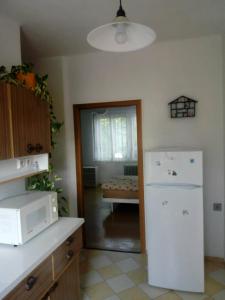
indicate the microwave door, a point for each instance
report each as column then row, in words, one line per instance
column 34, row 218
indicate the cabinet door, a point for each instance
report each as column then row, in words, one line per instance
column 68, row 285
column 35, row 284
column 30, row 123
column 5, row 132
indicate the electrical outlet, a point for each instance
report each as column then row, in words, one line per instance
column 217, row 206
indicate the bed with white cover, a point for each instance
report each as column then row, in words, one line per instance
column 121, row 189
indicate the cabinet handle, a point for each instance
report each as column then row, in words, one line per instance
column 38, row 148
column 30, row 283
column 30, row 148
column 51, row 290
column 53, row 287
column 46, row 296
column 69, row 241
column 69, row 254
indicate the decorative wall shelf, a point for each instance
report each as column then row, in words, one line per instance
column 182, row 107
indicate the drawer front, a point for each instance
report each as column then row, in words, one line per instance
column 66, row 252
column 34, row 285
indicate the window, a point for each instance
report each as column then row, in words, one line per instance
column 115, row 135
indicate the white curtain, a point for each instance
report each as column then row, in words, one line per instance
column 115, row 136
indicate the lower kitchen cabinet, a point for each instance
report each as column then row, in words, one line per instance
column 56, row 278
column 68, row 285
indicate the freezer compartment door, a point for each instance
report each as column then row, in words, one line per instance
column 174, row 167
column 174, row 221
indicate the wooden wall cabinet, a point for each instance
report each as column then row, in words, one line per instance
column 24, row 123
column 57, row 278
column 5, row 140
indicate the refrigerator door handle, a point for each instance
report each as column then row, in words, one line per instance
column 172, row 186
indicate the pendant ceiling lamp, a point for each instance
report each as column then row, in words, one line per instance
column 121, row 35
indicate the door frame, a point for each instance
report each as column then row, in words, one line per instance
column 79, row 161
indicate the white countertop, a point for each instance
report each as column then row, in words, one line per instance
column 17, row 262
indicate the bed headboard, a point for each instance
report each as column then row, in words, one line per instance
column 130, row 170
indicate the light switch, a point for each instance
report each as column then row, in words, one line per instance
column 217, row 206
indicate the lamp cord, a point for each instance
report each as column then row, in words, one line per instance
column 121, row 12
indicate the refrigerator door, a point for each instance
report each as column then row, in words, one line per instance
column 174, row 223
column 174, row 167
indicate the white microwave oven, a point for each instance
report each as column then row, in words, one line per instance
column 24, row 216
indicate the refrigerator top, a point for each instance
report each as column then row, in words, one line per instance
column 173, row 167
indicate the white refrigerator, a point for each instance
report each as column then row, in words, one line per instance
column 174, row 219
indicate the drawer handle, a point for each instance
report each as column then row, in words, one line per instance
column 38, row 148
column 30, row 283
column 69, row 254
column 46, row 296
column 30, row 148
column 52, row 289
column 69, row 241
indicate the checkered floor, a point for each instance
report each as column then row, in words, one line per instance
column 109, row 275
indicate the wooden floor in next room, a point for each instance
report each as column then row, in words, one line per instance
column 104, row 229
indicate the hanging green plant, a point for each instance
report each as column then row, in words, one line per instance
column 23, row 75
column 47, row 181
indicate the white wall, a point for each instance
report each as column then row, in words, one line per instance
column 54, row 67
column 10, row 54
column 157, row 75
column 10, row 50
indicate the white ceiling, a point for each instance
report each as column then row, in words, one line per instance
column 60, row 27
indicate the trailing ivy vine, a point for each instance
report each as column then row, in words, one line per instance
column 46, row 181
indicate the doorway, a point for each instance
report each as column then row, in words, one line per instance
column 109, row 167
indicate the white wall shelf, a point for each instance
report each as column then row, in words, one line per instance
column 22, row 167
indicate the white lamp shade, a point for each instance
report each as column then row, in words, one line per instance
column 137, row 36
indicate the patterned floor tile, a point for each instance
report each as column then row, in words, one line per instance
column 100, row 261
column 99, row 291
column 109, row 272
column 151, row 291
column 120, row 283
column 191, row 296
column 117, row 256
column 133, row 294
column 90, row 279
column 113, row 275
column 218, row 276
column 169, row 296
column 84, row 296
column 127, row 265
column 113, row 298
column 138, row 276
column 212, row 287
column 219, row 296
column 141, row 259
